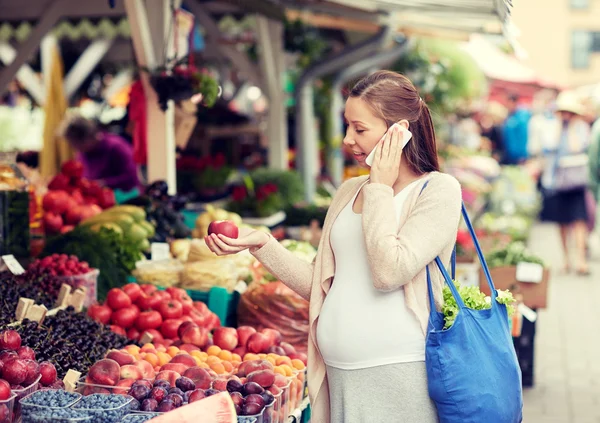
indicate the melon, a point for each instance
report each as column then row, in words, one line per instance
column 217, row 408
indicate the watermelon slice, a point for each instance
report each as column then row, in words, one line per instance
column 217, row 408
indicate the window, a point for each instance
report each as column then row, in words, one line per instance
column 579, row 4
column 581, row 48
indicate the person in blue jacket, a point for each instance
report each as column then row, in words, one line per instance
column 515, row 132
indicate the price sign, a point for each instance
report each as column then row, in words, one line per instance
column 160, row 251
column 530, row 272
column 13, row 265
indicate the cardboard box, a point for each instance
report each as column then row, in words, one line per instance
column 534, row 295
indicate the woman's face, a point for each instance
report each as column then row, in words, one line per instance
column 364, row 129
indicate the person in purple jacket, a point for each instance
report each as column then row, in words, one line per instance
column 107, row 158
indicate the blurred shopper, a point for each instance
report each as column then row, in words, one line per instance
column 491, row 127
column 515, row 133
column 107, row 158
column 381, row 233
column 565, row 178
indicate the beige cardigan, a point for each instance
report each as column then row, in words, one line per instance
column 397, row 255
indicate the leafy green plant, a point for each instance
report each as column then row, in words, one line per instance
column 251, row 200
column 513, row 254
column 473, row 299
column 289, row 184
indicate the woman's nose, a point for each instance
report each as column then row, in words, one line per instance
column 348, row 141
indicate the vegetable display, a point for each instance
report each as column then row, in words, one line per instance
column 513, row 254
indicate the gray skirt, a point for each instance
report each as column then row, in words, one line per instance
column 394, row 393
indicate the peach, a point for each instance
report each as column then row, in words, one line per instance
column 225, row 355
column 201, row 377
column 240, row 351
column 298, row 356
column 132, row 349
column 146, row 368
column 273, row 335
column 183, row 327
column 168, row 375
column 227, row 366
column 298, row 364
column 275, row 349
column 176, row 367
column 105, row 372
column 219, row 384
column 225, row 338
column 189, row 348
column 258, row 343
column 248, row 367
column 131, row 371
column 244, row 333
column 264, row 378
column 195, row 335
column 280, row 381
column 121, row 357
column 185, row 359
column 288, row 348
column 124, row 384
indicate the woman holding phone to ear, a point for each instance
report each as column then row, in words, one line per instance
column 367, row 286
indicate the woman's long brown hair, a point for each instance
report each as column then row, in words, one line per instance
column 393, row 97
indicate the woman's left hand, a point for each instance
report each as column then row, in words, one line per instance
column 386, row 163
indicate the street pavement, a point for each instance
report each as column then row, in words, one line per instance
column 567, row 342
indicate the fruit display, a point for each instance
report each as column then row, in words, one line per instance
column 14, row 287
column 204, row 220
column 105, row 250
column 14, row 211
column 72, row 198
column 138, row 310
column 128, row 221
column 68, row 340
column 161, row 273
column 66, row 269
column 163, row 212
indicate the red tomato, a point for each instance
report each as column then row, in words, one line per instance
column 117, row 299
column 126, row 317
column 198, row 318
column 170, row 309
column 133, row 333
column 133, row 290
column 169, row 328
column 147, row 288
column 201, row 307
column 150, row 301
column 118, row 329
column 148, row 320
column 100, row 313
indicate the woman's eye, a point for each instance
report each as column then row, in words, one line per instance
column 360, row 131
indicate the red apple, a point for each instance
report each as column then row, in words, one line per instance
column 169, row 328
column 224, row 227
column 225, row 338
column 244, row 333
column 53, row 222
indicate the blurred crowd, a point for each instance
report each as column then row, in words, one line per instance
column 557, row 138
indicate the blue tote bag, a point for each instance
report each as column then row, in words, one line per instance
column 472, row 368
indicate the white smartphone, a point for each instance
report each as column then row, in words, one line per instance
column 407, row 137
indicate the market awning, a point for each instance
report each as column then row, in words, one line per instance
column 465, row 16
column 498, row 65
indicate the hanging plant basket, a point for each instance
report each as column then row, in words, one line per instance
column 182, row 84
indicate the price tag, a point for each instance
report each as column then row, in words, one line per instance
column 160, row 251
column 13, row 265
column 70, row 380
column 527, row 313
column 530, row 272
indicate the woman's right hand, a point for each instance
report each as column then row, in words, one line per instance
column 248, row 238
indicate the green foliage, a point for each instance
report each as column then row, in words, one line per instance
column 289, row 183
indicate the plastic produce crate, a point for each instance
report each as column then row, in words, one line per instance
column 31, row 404
column 220, row 302
column 89, row 281
column 257, row 418
column 22, row 393
column 104, row 413
column 6, row 410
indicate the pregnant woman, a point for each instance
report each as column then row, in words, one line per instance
column 367, row 286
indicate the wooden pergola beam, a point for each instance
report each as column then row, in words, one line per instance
column 50, row 16
column 25, row 75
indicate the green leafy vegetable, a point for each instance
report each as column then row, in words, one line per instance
column 473, row 299
column 513, row 254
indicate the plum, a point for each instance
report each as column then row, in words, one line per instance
column 252, row 388
column 268, row 398
column 175, row 399
column 234, row 385
column 185, row 384
column 166, row 406
column 251, row 409
column 158, row 393
column 139, row 392
column 149, row 404
column 255, row 399
column 210, row 392
column 162, row 383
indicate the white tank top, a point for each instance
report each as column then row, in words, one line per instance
column 360, row 326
